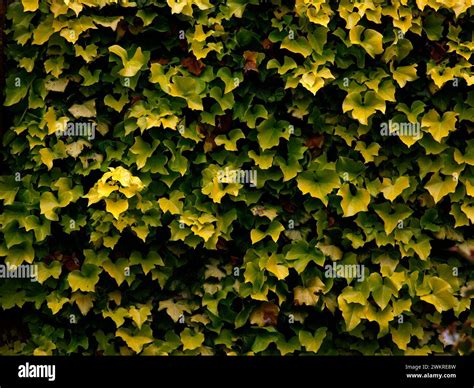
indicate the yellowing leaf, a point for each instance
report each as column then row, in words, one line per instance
column 30, row 5
column 318, row 184
column 402, row 335
column 47, row 157
column 84, row 279
column 439, row 127
column 83, row 301
column 352, row 313
column 311, row 342
column 353, row 204
column 300, row 45
column 272, row 265
column 190, row 339
column 391, row 191
column 441, row 296
column 55, row 302
column 404, row 74
column 439, row 188
column 363, row 109
column 140, row 315
column 131, row 66
column 273, row 230
column 84, row 110
column 136, row 341
column 174, row 309
column 371, row 40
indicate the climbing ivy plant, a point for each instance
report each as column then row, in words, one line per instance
column 238, row 177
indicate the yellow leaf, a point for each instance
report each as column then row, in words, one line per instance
column 136, row 342
column 391, row 191
column 404, row 74
column 280, row 271
column 116, row 207
column 83, row 301
column 30, row 5
column 353, row 204
column 140, row 315
column 438, row 188
column 47, row 157
column 439, row 127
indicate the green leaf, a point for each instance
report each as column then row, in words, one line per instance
column 270, row 132
column 302, row 253
column 84, row 279
column 311, row 342
column 300, row 45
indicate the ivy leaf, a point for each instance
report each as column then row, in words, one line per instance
column 86, row 110
column 131, row 66
column 363, row 109
column 190, row 339
column 230, row 141
column 84, row 279
column 353, row 204
column 55, row 302
column 439, row 127
column 274, row 266
column 84, row 301
column 311, row 342
column 116, row 207
column 118, row 315
column 30, row 5
column 392, row 190
column 370, row 40
column 352, row 313
column 140, row 315
column 441, row 296
column 300, row 45
column 265, row 315
column 318, row 184
column 117, row 269
column 392, row 215
column 136, row 340
column 439, row 187
column 174, row 309
column 173, row 205
column 381, row 289
column 274, row 230
column 302, row 253
column 402, row 335
column 404, row 74
column 270, row 131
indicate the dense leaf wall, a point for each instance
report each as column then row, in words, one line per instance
column 338, row 235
